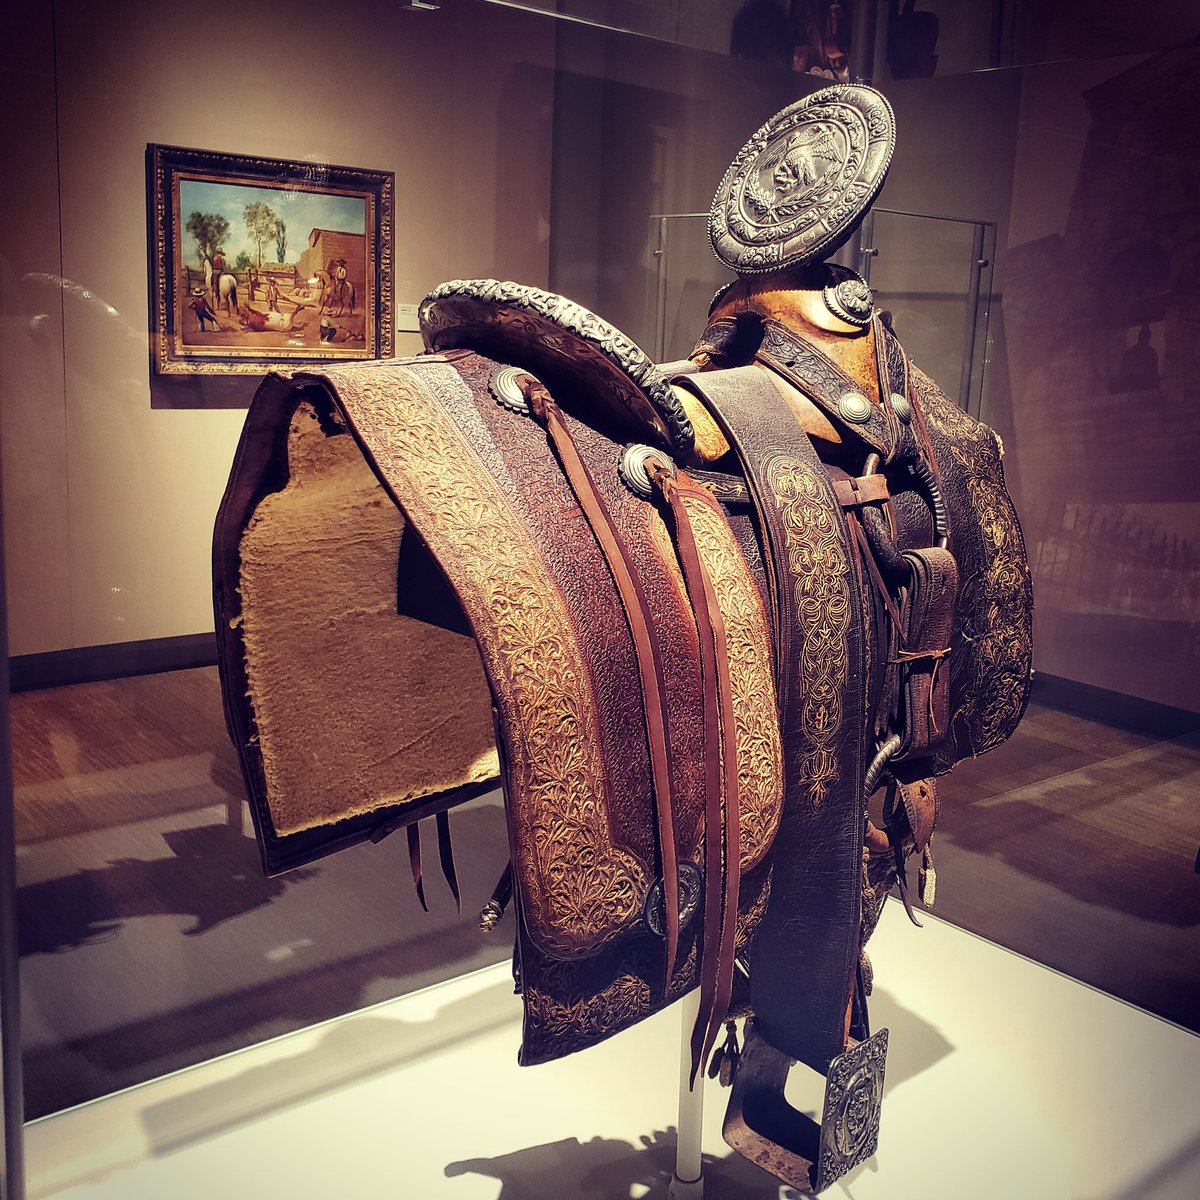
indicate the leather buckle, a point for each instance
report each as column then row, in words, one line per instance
column 762, row 1126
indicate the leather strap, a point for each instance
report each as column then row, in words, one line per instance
column 920, row 800
column 893, row 367
column 722, row 824
column 414, row 860
column 446, row 856
column 865, row 489
column 649, row 657
column 805, row 954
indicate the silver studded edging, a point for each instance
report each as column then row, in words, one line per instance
column 609, row 341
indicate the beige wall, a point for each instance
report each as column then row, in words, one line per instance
column 33, row 418
column 108, row 502
column 642, row 128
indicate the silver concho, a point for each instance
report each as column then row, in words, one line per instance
column 654, row 912
column 506, row 390
column 800, row 186
column 901, row 407
column 854, row 407
column 847, row 296
column 633, row 472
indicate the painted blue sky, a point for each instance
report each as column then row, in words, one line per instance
column 302, row 211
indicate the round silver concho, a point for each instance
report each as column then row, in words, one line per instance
column 800, row 186
column 634, row 472
column 854, row 407
column 901, row 407
column 506, row 389
column 654, row 913
column 847, row 296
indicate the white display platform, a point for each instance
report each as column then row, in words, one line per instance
column 1005, row 1079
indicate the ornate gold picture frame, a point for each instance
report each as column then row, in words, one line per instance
column 257, row 262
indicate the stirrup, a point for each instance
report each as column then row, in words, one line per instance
column 763, row 1127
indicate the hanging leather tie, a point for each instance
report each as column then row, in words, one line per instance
column 927, row 612
column 938, row 657
column 724, row 1062
column 493, row 910
column 649, row 657
column 446, row 857
column 414, row 860
column 722, row 828
column 898, row 823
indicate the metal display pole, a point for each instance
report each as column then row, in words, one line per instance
column 12, row 1163
column 687, row 1183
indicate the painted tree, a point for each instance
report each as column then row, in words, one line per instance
column 261, row 223
column 280, row 239
column 243, row 261
column 209, row 230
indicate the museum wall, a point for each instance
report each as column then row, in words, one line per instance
column 109, row 502
column 1091, row 173
column 643, row 127
column 33, row 416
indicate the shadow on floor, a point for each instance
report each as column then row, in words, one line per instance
column 611, row 1169
column 212, row 877
column 359, row 933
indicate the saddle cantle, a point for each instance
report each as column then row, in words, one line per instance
column 696, row 621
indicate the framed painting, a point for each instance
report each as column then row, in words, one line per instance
column 257, row 262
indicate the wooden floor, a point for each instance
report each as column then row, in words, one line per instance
column 1075, row 844
column 151, row 941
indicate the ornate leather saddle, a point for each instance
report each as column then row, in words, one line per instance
column 716, row 627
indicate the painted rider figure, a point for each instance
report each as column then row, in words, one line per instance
column 218, row 269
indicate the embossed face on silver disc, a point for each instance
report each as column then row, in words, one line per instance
column 801, row 185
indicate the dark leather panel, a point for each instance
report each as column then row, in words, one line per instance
column 547, row 548
column 805, row 953
column 806, row 367
column 484, row 487
column 803, row 942
column 515, row 450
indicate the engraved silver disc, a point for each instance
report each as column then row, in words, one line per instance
column 506, row 390
column 690, row 885
column 848, row 297
column 800, row 186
